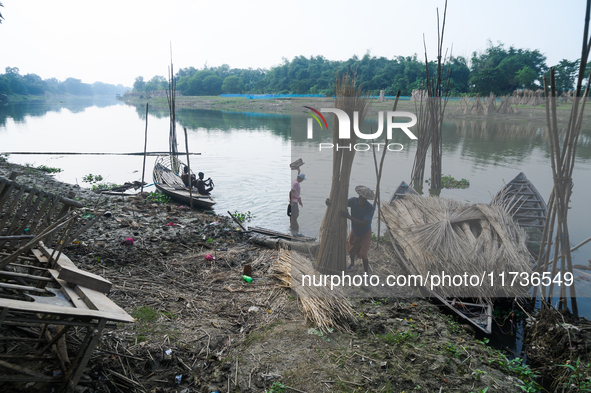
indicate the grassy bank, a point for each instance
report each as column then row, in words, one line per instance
column 525, row 113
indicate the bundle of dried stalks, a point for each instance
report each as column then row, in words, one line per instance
column 438, row 234
column 562, row 159
column 430, row 114
column 328, row 310
column 333, row 231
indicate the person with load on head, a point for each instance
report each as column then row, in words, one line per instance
column 361, row 215
column 204, row 187
column 296, row 202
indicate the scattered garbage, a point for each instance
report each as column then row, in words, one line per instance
column 178, row 379
column 246, row 278
column 128, row 241
column 247, row 271
column 209, row 257
column 168, row 352
column 253, row 309
column 214, row 223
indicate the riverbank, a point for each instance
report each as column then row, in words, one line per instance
column 196, row 318
column 454, row 110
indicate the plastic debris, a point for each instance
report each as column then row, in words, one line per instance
column 128, row 241
column 253, row 309
column 214, row 223
column 168, row 352
column 209, row 257
column 246, row 278
column 178, row 379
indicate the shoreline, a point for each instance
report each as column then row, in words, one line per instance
column 454, row 110
column 398, row 333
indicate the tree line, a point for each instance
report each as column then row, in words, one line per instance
column 12, row 82
column 497, row 69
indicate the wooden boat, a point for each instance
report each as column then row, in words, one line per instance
column 527, row 207
column 477, row 314
column 167, row 181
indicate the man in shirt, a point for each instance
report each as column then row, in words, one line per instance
column 296, row 202
column 361, row 215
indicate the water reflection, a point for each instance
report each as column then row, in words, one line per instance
column 194, row 119
column 38, row 108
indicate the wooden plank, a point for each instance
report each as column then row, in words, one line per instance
column 62, row 260
column 85, row 279
column 20, row 305
column 69, row 292
column 96, row 300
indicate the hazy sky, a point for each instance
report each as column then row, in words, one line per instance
column 116, row 41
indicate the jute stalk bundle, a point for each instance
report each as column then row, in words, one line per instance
column 333, row 231
column 328, row 310
column 563, row 162
column 438, row 234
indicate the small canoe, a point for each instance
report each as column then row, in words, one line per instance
column 527, row 207
column 168, row 182
column 477, row 314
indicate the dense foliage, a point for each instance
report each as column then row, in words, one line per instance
column 12, row 82
column 496, row 70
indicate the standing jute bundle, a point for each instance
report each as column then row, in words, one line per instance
column 333, row 231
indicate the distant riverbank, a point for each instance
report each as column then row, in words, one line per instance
column 454, row 109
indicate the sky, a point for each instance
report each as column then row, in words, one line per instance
column 117, row 41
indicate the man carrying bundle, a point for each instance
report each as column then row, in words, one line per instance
column 361, row 215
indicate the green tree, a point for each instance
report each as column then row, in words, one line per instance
column 232, row 85
column 139, row 84
column 564, row 75
column 156, row 83
column 212, row 85
column 496, row 69
column 526, row 77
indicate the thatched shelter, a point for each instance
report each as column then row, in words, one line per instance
column 441, row 235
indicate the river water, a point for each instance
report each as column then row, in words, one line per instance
column 248, row 155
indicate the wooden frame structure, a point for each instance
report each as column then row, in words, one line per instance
column 51, row 313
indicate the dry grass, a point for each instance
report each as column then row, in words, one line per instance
column 438, row 234
column 328, row 310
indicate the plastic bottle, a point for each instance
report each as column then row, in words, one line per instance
column 247, row 278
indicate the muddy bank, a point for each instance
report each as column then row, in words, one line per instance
column 200, row 328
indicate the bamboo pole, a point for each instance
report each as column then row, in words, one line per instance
column 379, row 170
column 145, row 149
column 562, row 160
column 189, row 166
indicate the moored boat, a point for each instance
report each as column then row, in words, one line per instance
column 167, row 180
column 527, row 207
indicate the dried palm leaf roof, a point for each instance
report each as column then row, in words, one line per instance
column 443, row 235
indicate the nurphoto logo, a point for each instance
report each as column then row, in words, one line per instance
column 345, row 128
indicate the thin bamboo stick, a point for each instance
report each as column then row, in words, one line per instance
column 145, row 147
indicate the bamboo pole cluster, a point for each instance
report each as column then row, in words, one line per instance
column 332, row 253
column 562, row 160
column 430, row 113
